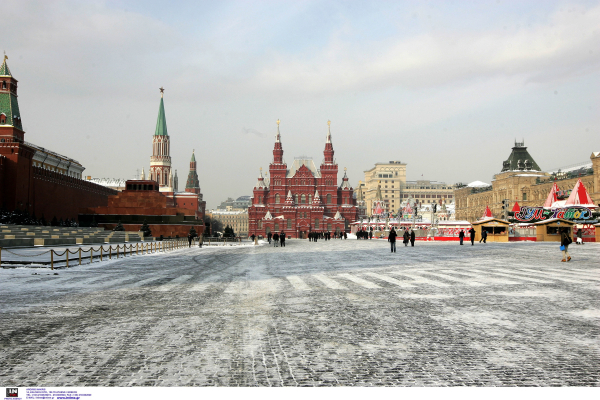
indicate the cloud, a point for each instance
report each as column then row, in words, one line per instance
column 565, row 45
column 253, row 132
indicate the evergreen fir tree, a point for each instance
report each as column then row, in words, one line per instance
column 54, row 221
column 146, row 229
column 119, row 227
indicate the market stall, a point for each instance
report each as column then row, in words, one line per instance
column 549, row 230
column 497, row 229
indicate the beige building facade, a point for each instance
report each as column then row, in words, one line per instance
column 238, row 220
column 529, row 187
column 390, row 178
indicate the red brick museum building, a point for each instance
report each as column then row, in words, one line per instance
column 302, row 198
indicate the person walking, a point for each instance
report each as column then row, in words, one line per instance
column 275, row 239
column 472, row 232
column 345, row 235
column 269, row 236
column 483, row 235
column 412, row 238
column 461, row 236
column 371, row 233
column 282, row 239
column 579, row 236
column 405, row 237
column 392, row 240
column 190, row 238
column 565, row 241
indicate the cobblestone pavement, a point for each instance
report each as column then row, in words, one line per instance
column 310, row 314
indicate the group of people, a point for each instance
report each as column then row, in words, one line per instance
column 277, row 238
column 461, row 236
column 364, row 234
column 314, row 236
column 406, row 237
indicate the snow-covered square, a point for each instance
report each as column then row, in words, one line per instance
column 339, row 312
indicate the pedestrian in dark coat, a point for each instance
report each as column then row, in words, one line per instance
column 371, row 234
column 412, row 238
column 392, row 240
column 275, row 239
column 472, row 232
column 461, row 236
column 282, row 239
column 269, row 235
column 565, row 241
column 190, row 239
column 405, row 237
column 483, row 235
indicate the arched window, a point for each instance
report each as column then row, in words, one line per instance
column 259, row 224
column 276, row 227
column 3, row 84
column 316, row 223
column 309, row 198
column 328, row 199
column 303, row 199
column 296, row 196
column 277, row 198
column 289, row 224
column 2, row 118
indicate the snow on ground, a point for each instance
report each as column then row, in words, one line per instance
column 339, row 312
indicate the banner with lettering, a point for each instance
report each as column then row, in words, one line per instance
column 537, row 214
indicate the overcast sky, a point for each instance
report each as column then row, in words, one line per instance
column 445, row 87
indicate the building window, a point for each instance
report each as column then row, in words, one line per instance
column 289, row 224
column 259, row 224
column 296, row 196
column 276, row 227
column 303, row 199
column 277, row 198
column 316, row 224
column 309, row 198
column 328, row 199
column 329, row 227
column 524, row 196
column 3, row 84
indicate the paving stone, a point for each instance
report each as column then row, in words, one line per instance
column 335, row 313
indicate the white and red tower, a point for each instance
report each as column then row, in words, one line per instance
column 160, row 162
column 329, row 173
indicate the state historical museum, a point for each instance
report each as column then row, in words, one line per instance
column 301, row 199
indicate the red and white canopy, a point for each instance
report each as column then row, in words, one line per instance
column 552, row 196
column 516, row 208
column 580, row 196
column 487, row 213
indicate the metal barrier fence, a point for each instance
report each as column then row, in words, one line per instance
column 218, row 240
column 148, row 248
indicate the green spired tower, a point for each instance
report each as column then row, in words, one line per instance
column 160, row 162
column 11, row 128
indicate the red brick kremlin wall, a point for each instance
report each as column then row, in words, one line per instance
column 63, row 196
